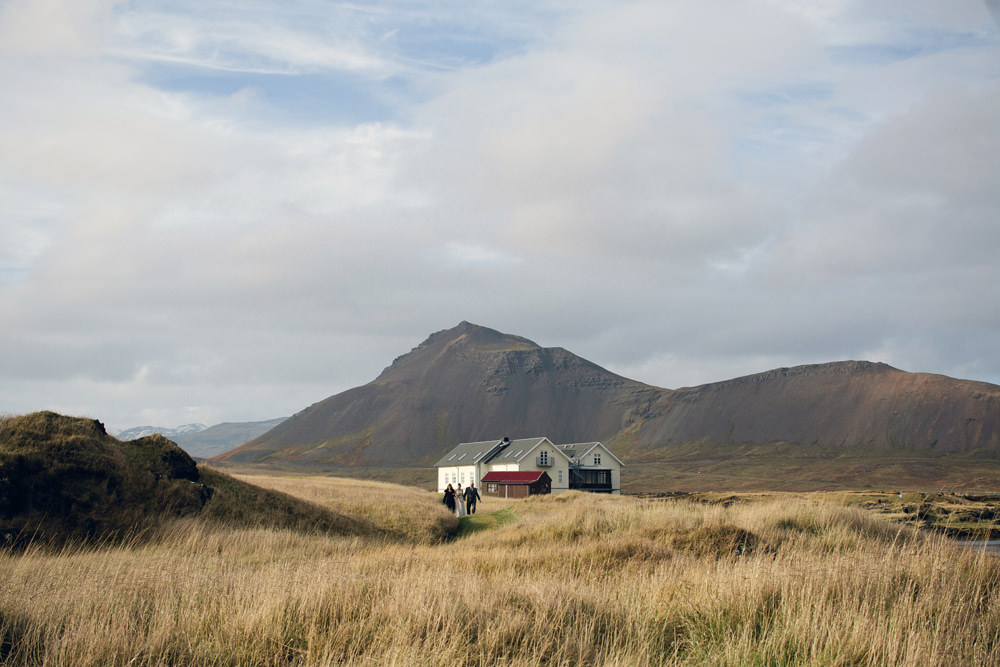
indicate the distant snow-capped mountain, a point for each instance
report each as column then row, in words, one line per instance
column 203, row 441
column 142, row 431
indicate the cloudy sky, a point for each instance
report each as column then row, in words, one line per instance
column 226, row 211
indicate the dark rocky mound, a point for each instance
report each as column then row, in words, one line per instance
column 64, row 478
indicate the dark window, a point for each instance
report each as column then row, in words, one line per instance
column 594, row 480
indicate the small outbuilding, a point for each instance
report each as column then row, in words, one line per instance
column 516, row 483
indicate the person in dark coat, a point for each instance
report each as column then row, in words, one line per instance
column 471, row 496
column 449, row 498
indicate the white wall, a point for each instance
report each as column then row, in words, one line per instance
column 455, row 475
column 558, row 461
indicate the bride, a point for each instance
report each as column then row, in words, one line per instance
column 459, row 501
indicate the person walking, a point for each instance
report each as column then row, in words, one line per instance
column 449, row 498
column 459, row 501
column 471, row 497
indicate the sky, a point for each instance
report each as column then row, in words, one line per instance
column 227, row 211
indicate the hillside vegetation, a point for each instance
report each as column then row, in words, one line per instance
column 64, row 479
column 573, row 579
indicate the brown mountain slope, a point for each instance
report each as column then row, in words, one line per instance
column 465, row 383
column 473, row 383
column 841, row 404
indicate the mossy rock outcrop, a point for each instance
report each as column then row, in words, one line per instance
column 66, row 479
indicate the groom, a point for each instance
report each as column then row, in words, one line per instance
column 471, row 496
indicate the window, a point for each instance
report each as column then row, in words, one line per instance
column 491, row 487
column 594, row 479
column 560, row 476
column 463, row 477
column 597, row 459
column 543, row 458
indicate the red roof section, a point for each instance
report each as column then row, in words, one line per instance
column 514, row 476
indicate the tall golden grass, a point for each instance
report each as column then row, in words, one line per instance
column 575, row 579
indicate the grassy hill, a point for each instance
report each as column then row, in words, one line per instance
column 64, row 479
column 67, row 478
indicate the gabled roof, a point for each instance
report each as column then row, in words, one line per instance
column 571, row 450
column 514, row 476
column 583, row 448
column 519, row 449
column 470, row 453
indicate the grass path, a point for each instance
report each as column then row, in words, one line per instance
column 474, row 523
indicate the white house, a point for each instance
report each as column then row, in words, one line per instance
column 586, row 466
column 464, row 464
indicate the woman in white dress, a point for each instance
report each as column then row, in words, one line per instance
column 459, row 501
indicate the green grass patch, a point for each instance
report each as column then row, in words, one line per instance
column 473, row 523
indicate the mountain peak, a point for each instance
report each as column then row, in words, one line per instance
column 464, row 337
column 477, row 336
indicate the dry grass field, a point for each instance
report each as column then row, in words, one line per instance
column 573, row 579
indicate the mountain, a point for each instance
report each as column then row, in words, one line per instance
column 203, row 441
column 840, row 404
column 222, row 437
column 472, row 383
column 465, row 383
column 137, row 432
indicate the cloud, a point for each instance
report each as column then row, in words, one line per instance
column 591, row 148
column 682, row 192
column 240, row 41
column 53, row 27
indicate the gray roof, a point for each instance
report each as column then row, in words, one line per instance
column 469, row 453
column 572, row 449
column 517, row 450
column 583, row 448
